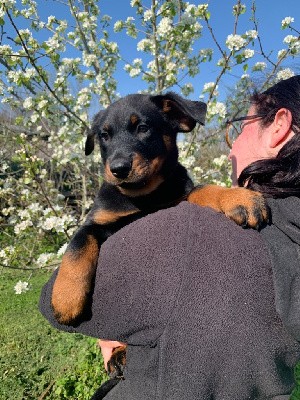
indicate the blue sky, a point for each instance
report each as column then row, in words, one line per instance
column 269, row 13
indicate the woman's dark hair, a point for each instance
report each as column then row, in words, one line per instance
column 278, row 176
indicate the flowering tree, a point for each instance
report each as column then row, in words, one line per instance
column 56, row 72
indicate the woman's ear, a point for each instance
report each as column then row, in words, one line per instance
column 281, row 128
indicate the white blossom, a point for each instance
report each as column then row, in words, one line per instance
column 287, row 21
column 293, row 42
column 44, row 258
column 221, row 161
column 28, row 103
column 188, row 19
column 53, row 43
column 187, row 89
column 281, row 53
column 137, row 62
column 35, row 207
column 134, row 3
column 285, row 74
column 290, row 39
column 144, row 44
column 252, row 34
column 6, row 254
column 235, row 42
column 217, row 108
column 21, row 287
column 22, row 226
column 147, row 15
column 23, row 214
column 59, row 224
column 134, row 72
column 62, row 250
column 7, row 3
column 5, row 48
column 118, row 26
column 208, row 86
column 51, row 19
column 70, row 62
column 248, row 53
column 83, row 99
column 89, row 59
column 34, row 117
column 25, row 32
column 42, row 104
column 259, row 66
column 164, row 27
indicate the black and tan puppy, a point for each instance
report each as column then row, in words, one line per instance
column 137, row 136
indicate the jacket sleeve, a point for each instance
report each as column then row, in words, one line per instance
column 136, row 285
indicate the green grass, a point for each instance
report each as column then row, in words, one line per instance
column 36, row 360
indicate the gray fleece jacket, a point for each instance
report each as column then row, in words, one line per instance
column 193, row 296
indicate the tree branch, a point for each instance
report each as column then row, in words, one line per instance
column 32, row 62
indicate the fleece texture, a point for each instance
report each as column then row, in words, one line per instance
column 283, row 239
column 192, row 295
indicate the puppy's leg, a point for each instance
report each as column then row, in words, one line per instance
column 76, row 273
column 244, row 206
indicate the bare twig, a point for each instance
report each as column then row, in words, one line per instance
column 47, row 390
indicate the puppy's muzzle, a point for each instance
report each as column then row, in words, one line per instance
column 121, row 167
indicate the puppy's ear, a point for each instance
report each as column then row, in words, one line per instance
column 90, row 142
column 91, row 133
column 186, row 113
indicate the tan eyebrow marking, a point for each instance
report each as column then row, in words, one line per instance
column 106, row 127
column 134, row 119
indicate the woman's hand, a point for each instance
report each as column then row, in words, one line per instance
column 107, row 347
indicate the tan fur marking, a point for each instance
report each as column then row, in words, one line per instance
column 141, row 170
column 104, row 217
column 108, row 176
column 166, row 105
column 186, row 124
column 150, row 169
column 228, row 201
column 73, row 282
column 169, row 142
column 106, row 127
column 156, row 164
column 208, row 196
column 139, row 165
column 149, row 188
column 133, row 119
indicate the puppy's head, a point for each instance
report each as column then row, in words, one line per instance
column 137, row 137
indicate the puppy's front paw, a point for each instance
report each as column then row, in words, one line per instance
column 245, row 207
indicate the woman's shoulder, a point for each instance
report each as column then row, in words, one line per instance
column 181, row 223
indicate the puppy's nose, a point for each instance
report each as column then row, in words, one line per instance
column 120, row 168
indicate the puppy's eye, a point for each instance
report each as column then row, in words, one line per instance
column 104, row 136
column 142, row 128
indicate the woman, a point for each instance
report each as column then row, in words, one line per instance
column 209, row 310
